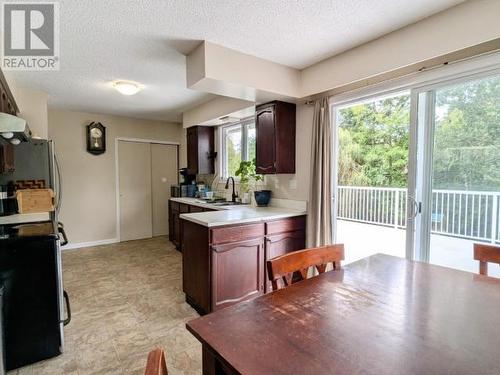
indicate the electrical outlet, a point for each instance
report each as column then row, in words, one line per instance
column 292, row 183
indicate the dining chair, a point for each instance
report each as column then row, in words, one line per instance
column 284, row 266
column 156, row 364
column 486, row 254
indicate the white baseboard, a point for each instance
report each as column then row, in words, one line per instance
column 78, row 245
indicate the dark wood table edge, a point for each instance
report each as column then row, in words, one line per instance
column 212, row 362
column 475, row 275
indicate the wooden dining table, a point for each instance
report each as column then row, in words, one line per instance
column 379, row 315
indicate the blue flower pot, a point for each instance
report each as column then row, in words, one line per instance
column 262, row 197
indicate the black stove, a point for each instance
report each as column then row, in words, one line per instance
column 30, row 231
column 30, row 274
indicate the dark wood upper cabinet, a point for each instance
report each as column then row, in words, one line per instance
column 7, row 102
column 7, row 158
column 200, row 150
column 275, row 145
column 7, row 105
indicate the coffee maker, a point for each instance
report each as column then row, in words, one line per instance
column 187, row 187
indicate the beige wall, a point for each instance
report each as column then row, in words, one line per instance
column 33, row 108
column 89, row 201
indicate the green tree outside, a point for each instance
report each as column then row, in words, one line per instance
column 374, row 139
column 373, row 143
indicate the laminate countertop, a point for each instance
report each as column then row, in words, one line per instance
column 230, row 215
column 201, row 203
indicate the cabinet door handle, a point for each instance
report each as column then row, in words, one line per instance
column 268, row 110
column 270, row 167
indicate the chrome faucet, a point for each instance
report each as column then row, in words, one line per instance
column 234, row 195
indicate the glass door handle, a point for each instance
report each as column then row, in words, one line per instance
column 416, row 208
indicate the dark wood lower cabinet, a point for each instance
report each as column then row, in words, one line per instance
column 196, row 266
column 237, row 272
column 279, row 244
column 174, row 223
column 226, row 265
column 174, row 231
column 196, row 209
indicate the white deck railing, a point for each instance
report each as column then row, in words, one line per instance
column 465, row 214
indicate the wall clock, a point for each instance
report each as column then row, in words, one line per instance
column 96, row 138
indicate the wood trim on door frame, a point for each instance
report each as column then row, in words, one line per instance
column 117, row 172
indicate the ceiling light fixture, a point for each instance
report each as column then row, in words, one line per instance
column 127, row 87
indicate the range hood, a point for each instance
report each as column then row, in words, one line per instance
column 14, row 129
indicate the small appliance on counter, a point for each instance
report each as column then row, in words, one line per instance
column 35, row 200
column 175, row 191
column 187, row 183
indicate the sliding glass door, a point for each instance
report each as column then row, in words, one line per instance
column 371, row 175
column 458, row 171
column 417, row 173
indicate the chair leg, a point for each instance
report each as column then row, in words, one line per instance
column 483, row 268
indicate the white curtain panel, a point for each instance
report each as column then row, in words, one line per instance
column 320, row 195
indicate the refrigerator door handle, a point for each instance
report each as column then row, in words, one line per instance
column 63, row 233
column 68, row 309
column 59, row 183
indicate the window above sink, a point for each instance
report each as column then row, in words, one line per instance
column 237, row 144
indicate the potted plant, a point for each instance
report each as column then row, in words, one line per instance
column 247, row 175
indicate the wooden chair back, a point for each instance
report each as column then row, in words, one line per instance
column 283, row 267
column 156, row 364
column 486, row 254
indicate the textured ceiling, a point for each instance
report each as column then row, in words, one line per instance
column 145, row 41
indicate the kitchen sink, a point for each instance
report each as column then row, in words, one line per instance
column 226, row 203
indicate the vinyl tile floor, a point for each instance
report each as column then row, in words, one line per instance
column 126, row 299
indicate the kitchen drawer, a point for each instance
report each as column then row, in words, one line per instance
column 195, row 209
column 236, row 233
column 174, row 206
column 183, row 208
column 286, row 225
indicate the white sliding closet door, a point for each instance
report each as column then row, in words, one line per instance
column 164, row 172
column 134, row 160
